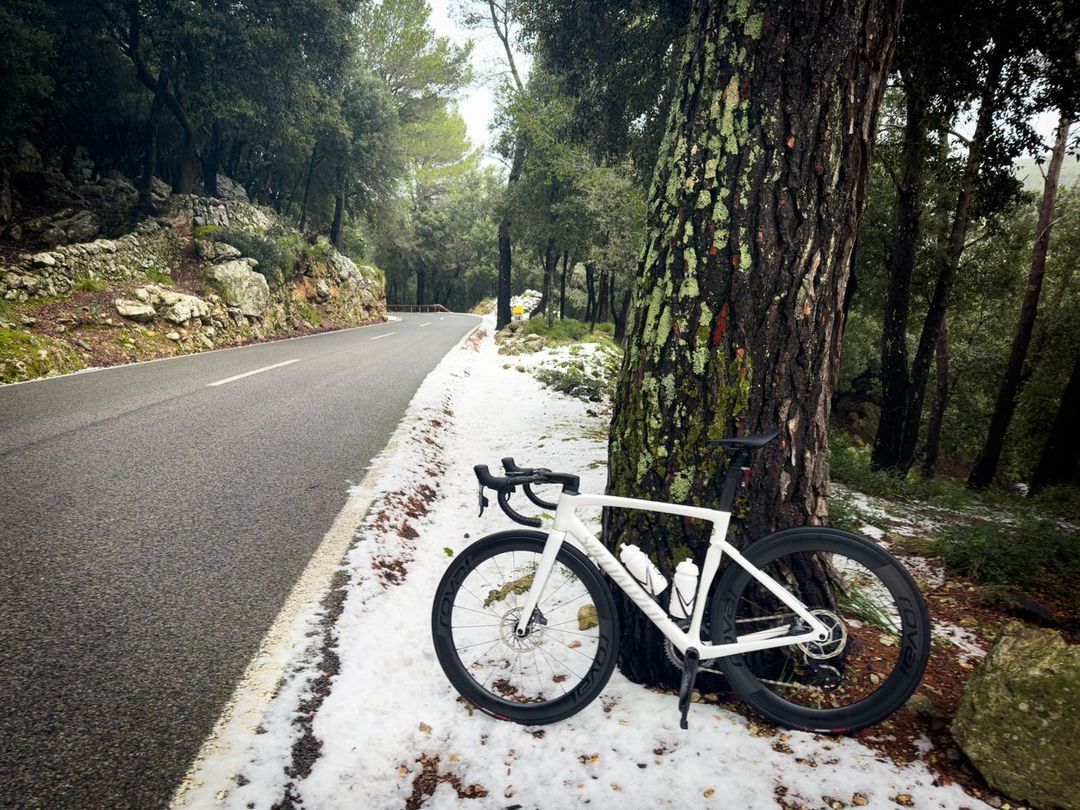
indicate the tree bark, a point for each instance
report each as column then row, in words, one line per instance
column 948, row 265
column 602, row 313
column 737, row 314
column 211, row 161
column 313, row 162
column 986, row 463
column 623, row 316
column 941, row 399
column 894, row 354
column 1058, row 462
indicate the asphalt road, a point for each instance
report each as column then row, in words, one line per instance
column 151, row 526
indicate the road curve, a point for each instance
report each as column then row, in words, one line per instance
column 153, row 518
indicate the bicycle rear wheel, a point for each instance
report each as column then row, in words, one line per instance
column 879, row 641
column 569, row 651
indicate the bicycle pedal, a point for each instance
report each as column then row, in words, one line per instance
column 691, row 661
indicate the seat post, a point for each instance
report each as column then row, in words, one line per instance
column 739, row 459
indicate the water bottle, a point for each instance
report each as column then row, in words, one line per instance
column 683, row 590
column 637, row 562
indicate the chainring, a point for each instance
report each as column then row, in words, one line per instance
column 675, row 658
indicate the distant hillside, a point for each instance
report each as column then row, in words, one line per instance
column 1028, row 171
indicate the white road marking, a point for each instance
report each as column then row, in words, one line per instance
column 249, row 373
column 426, row 323
column 380, row 337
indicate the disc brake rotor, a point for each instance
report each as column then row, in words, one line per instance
column 831, row 646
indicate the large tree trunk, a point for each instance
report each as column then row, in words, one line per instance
column 941, row 400
column 313, row 163
column 737, row 314
column 623, row 316
column 602, row 313
column 894, row 355
column 211, row 161
column 502, row 306
column 185, row 176
column 1058, row 462
column 987, row 462
column 948, row 265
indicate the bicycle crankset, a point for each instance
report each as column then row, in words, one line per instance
column 676, row 658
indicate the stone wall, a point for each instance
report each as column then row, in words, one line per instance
column 55, row 272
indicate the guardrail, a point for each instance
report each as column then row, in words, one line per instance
column 416, row 308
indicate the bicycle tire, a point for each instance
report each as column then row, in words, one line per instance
column 861, row 653
column 533, row 711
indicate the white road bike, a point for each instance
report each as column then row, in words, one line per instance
column 815, row 628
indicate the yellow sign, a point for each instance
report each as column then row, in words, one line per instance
column 519, row 310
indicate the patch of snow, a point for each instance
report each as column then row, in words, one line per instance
column 390, row 705
column 971, row 650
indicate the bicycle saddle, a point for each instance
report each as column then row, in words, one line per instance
column 745, row 442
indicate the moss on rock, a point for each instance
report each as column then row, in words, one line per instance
column 24, row 356
column 1017, row 720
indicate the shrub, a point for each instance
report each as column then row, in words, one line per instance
column 568, row 330
column 272, row 260
column 1032, row 553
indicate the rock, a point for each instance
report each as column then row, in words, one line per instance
column 26, row 320
column 181, row 308
column 214, row 252
column 141, row 294
column 160, row 191
column 1017, row 719
column 135, row 310
column 172, row 335
column 43, row 260
column 229, row 189
column 242, row 287
column 322, row 290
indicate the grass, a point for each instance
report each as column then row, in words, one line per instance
column 158, row 277
column 24, row 356
column 7, row 311
column 94, row 285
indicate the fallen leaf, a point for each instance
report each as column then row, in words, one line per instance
column 424, row 727
column 708, row 794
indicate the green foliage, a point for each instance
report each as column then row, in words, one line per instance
column 7, row 311
column 572, row 378
column 158, row 277
column 568, row 330
column 1031, row 553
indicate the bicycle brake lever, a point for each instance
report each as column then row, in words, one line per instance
column 483, row 501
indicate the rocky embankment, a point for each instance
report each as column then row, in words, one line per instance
column 203, row 273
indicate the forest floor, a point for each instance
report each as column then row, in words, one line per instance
column 364, row 716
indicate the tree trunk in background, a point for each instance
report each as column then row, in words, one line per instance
column 185, row 176
column 941, row 399
column 502, row 307
column 421, row 283
column 562, row 286
column 551, row 262
column 602, row 312
column 737, row 313
column 590, row 289
column 211, row 161
column 337, row 227
column 1058, row 462
column 894, row 355
column 987, row 462
column 309, row 176
column 149, row 163
column 948, row 265
column 624, row 314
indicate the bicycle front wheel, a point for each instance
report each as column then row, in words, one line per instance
column 568, row 652
column 879, row 631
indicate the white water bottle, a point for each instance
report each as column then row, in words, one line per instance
column 637, row 562
column 683, row 590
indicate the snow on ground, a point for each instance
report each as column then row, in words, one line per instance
column 391, row 728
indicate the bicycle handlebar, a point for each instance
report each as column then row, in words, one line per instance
column 524, row 477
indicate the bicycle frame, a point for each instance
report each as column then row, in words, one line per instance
column 567, row 523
